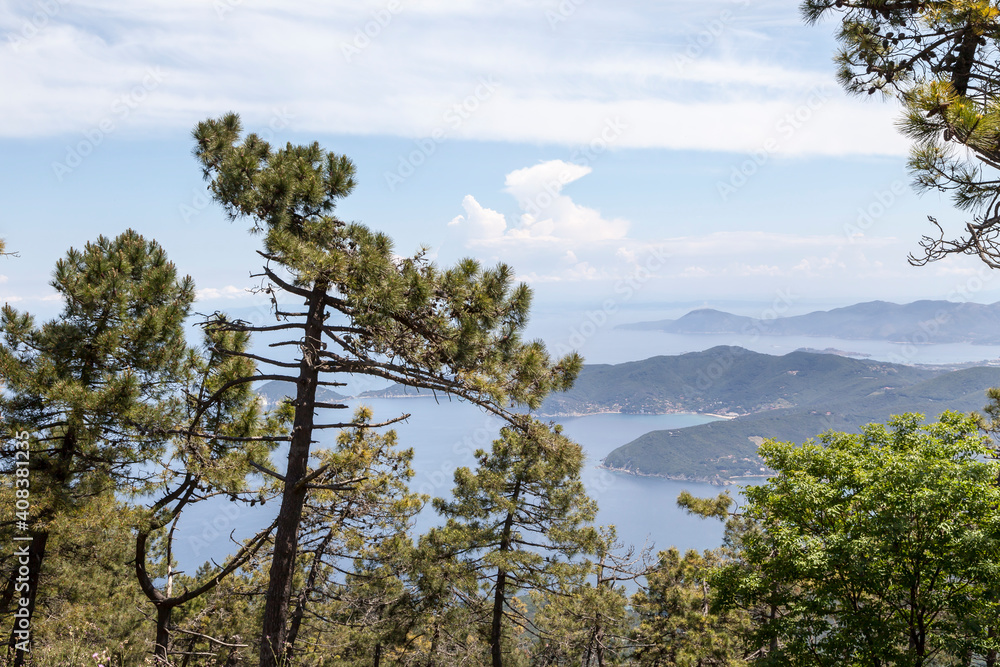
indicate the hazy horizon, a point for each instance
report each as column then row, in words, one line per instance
column 688, row 153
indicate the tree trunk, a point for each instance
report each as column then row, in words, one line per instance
column 499, row 594
column 190, row 651
column 773, row 645
column 160, row 655
column 432, row 654
column 279, row 589
column 497, row 626
column 36, row 554
column 303, row 598
column 966, row 59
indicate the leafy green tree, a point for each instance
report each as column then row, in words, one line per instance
column 366, row 311
column 938, row 58
column 95, row 387
column 876, row 548
column 519, row 520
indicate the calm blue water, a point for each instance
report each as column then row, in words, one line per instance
column 444, row 437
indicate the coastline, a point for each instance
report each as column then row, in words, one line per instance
column 714, row 481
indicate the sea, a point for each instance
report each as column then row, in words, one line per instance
column 444, row 434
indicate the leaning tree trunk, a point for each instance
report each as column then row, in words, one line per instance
column 303, row 599
column 279, row 589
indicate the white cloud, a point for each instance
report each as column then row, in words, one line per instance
column 558, row 240
column 548, row 216
column 227, row 292
column 415, row 67
column 479, row 222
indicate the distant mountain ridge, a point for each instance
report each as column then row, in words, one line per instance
column 919, row 322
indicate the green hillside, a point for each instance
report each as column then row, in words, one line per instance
column 723, row 450
column 728, row 380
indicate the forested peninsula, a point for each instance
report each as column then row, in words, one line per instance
column 792, row 397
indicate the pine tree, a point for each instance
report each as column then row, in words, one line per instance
column 520, row 521
column 937, row 58
column 588, row 624
column 94, row 388
column 447, row 627
column 355, row 550
column 366, row 311
column 677, row 622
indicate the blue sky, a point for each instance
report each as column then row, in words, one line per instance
column 647, row 154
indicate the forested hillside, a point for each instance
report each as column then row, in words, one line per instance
column 729, row 380
column 791, row 397
column 727, row 449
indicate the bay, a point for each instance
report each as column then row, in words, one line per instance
column 444, row 436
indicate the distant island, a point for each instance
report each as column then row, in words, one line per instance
column 920, row 322
column 792, row 397
column 272, row 393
